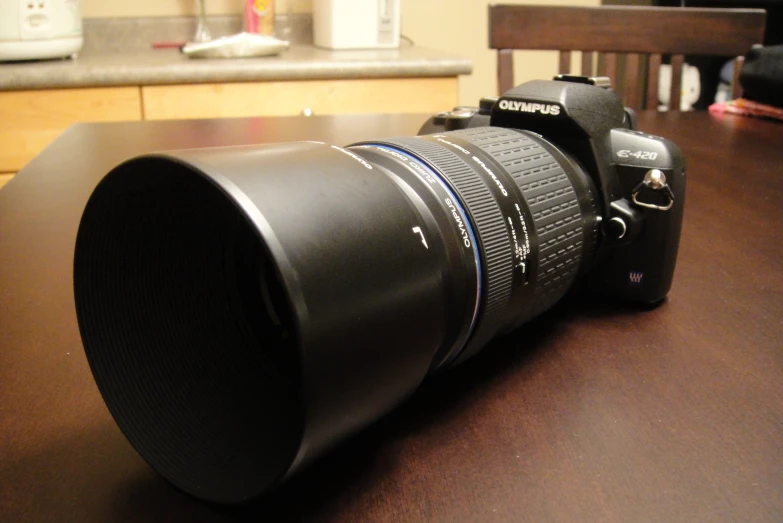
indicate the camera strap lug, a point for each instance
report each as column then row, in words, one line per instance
column 654, row 181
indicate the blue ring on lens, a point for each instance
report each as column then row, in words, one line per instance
column 463, row 214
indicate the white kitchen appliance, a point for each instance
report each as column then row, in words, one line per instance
column 356, row 24
column 39, row 29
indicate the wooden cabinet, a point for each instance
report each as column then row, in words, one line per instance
column 381, row 95
column 4, row 178
column 29, row 120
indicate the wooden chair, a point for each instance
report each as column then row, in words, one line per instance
column 609, row 30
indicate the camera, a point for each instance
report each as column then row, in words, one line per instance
column 636, row 181
column 243, row 309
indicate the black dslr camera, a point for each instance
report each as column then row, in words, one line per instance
column 245, row 308
column 638, row 179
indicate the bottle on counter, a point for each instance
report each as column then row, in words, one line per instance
column 260, row 16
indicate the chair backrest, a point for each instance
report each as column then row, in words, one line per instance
column 609, row 30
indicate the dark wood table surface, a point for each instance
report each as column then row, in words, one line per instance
column 595, row 412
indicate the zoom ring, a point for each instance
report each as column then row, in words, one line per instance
column 554, row 206
column 488, row 220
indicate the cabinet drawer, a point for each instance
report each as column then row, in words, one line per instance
column 395, row 95
column 29, row 120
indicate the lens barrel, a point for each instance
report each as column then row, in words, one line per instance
column 536, row 213
column 243, row 309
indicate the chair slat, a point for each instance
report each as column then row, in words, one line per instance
column 736, row 88
column 587, row 63
column 505, row 70
column 653, row 70
column 564, row 65
column 676, row 87
column 631, row 81
column 610, row 67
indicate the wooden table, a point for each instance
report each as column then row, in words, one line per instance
column 595, row 412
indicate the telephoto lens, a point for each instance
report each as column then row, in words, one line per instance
column 243, row 309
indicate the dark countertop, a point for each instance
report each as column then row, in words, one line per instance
column 169, row 66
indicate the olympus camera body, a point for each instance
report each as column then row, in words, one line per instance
column 639, row 179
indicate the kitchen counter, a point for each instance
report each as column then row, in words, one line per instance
column 169, row 66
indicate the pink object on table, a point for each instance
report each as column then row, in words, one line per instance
column 745, row 107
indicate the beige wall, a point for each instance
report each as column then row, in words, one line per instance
column 458, row 26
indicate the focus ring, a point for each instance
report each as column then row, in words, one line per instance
column 554, row 206
column 491, row 228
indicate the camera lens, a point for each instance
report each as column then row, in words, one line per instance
column 535, row 213
column 243, row 309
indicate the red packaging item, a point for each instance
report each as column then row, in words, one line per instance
column 260, row 16
column 745, row 107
